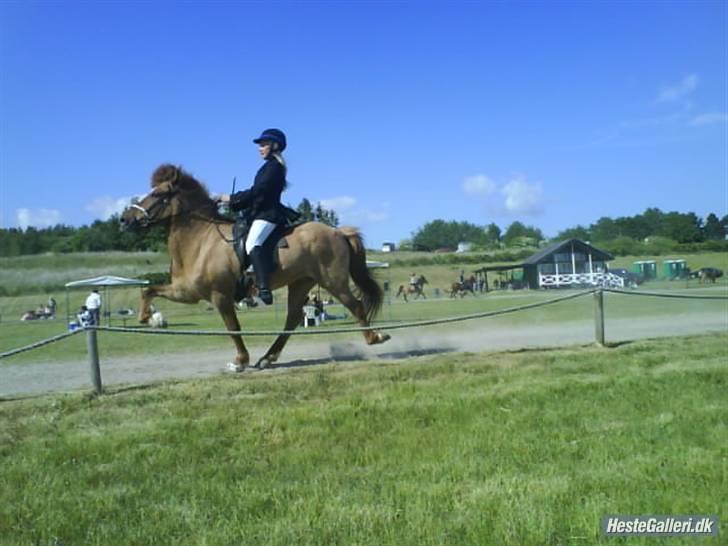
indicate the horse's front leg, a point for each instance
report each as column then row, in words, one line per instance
column 148, row 294
column 171, row 292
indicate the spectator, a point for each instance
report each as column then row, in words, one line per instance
column 85, row 317
column 93, row 304
column 51, row 306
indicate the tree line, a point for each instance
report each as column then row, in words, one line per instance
column 105, row 235
column 653, row 230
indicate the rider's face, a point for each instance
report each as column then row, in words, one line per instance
column 265, row 148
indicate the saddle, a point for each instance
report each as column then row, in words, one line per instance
column 274, row 241
column 277, row 239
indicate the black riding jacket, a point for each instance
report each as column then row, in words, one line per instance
column 263, row 199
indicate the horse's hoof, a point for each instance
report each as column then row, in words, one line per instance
column 234, row 367
column 266, row 361
column 383, row 337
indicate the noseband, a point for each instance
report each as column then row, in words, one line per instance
column 139, row 207
column 148, row 219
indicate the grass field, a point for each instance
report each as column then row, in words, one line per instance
column 527, row 447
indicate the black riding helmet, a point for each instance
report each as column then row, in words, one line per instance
column 273, row 135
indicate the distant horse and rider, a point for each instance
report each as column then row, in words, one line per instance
column 709, row 274
column 204, row 265
column 416, row 288
column 462, row 287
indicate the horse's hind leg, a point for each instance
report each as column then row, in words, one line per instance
column 344, row 295
column 226, row 306
column 297, row 295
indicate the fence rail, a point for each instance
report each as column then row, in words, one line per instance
column 599, row 328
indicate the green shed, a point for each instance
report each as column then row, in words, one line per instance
column 675, row 269
column 646, row 268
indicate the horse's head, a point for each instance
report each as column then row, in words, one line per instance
column 153, row 208
column 174, row 192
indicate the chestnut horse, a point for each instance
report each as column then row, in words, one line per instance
column 417, row 289
column 462, row 288
column 204, row 265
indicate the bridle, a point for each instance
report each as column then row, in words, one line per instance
column 148, row 219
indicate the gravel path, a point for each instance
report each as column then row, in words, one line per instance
column 29, row 379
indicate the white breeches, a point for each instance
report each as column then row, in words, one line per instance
column 259, row 231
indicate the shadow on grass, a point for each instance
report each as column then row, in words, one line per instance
column 351, row 353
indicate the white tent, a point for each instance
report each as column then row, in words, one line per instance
column 104, row 281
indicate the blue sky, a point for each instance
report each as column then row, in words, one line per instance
column 397, row 113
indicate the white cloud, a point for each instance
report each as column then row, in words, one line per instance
column 40, row 218
column 709, row 118
column 680, row 90
column 105, row 207
column 478, row 185
column 523, row 197
column 338, row 203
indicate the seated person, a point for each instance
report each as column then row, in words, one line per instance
column 85, row 318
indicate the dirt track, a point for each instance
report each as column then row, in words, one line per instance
column 27, row 379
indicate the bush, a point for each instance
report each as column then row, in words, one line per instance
column 658, row 246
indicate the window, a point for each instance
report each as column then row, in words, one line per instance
column 565, row 268
column 547, row 269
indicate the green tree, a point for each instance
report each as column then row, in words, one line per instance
column 306, row 210
column 714, row 230
column 309, row 213
column 442, row 234
column 683, row 228
column 578, row 232
column 520, row 233
column 492, row 235
column 604, row 229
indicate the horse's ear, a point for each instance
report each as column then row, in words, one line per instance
column 165, row 174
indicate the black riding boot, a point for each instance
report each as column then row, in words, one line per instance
column 263, row 269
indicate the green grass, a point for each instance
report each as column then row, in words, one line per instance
column 45, row 273
column 528, row 447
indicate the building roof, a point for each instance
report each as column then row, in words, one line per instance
column 107, row 280
column 544, row 253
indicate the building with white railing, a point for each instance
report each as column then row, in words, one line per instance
column 566, row 264
column 570, row 263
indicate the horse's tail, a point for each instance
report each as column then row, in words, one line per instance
column 372, row 295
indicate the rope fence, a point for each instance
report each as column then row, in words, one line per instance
column 598, row 294
column 663, row 295
column 326, row 331
column 39, row 344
